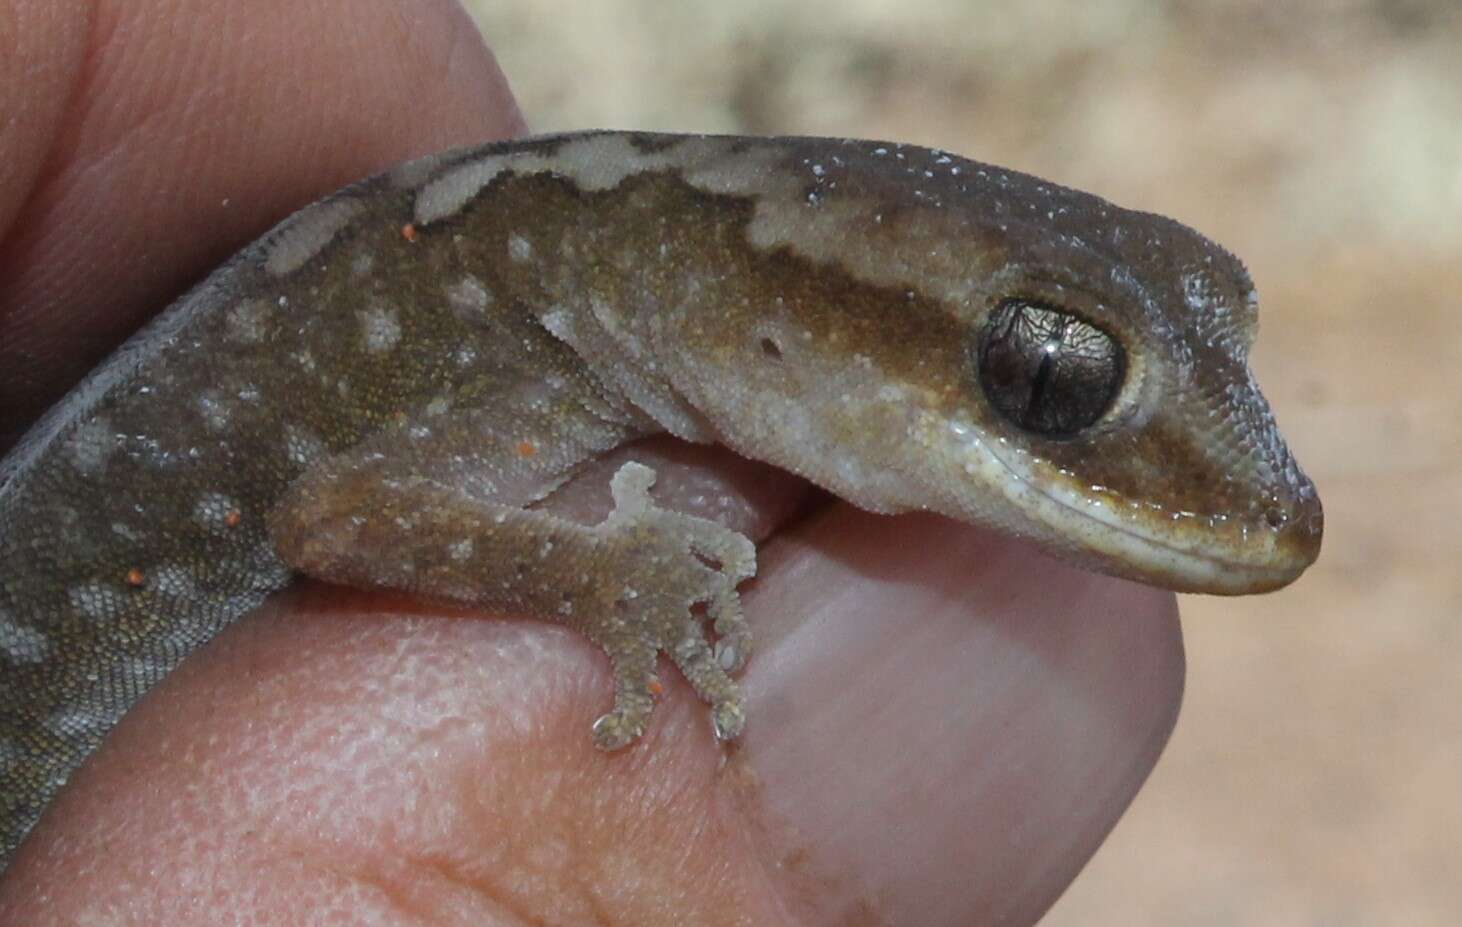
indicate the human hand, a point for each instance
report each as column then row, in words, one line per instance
column 943, row 724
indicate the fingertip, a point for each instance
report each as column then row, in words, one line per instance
column 946, row 739
column 167, row 149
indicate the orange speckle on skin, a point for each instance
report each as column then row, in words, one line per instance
column 135, row 579
column 656, row 687
column 527, row 448
column 408, row 232
column 233, row 518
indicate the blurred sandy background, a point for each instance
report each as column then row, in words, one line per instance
column 1314, row 776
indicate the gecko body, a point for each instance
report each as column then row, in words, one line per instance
column 378, row 391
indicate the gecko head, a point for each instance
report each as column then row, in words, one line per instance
column 1108, row 381
column 1006, row 351
column 1099, row 399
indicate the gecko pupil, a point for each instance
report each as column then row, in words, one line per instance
column 1048, row 371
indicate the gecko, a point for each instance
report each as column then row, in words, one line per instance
column 381, row 390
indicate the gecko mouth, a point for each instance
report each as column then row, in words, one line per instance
column 1100, row 538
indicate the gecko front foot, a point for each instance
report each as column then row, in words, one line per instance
column 680, row 570
column 643, row 581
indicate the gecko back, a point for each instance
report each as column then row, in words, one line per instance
column 130, row 533
column 132, row 517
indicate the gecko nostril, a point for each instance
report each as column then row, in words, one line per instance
column 1275, row 517
column 771, row 349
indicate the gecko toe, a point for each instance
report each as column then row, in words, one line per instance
column 632, row 658
column 704, row 667
column 728, row 719
column 733, row 637
column 616, row 730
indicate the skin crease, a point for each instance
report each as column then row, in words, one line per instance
column 943, row 724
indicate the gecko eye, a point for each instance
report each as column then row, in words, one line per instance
column 1048, row 371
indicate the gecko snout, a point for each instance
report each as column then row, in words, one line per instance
column 1301, row 530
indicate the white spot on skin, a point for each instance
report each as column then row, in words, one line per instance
column 446, row 195
column 595, row 162
column 10, row 756
column 79, row 723
column 305, row 234
column 175, row 581
column 248, row 322
column 380, row 329
column 468, row 297
column 439, row 406
column 750, row 171
column 520, row 249
column 214, row 510
column 602, row 162
column 559, row 322
column 148, row 668
column 214, row 410
column 302, row 447
column 97, row 601
column 91, row 445
column 461, row 550
column 22, row 645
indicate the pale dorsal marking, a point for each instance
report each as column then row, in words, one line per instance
column 300, row 238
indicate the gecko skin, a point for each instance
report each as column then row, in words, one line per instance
column 378, row 390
